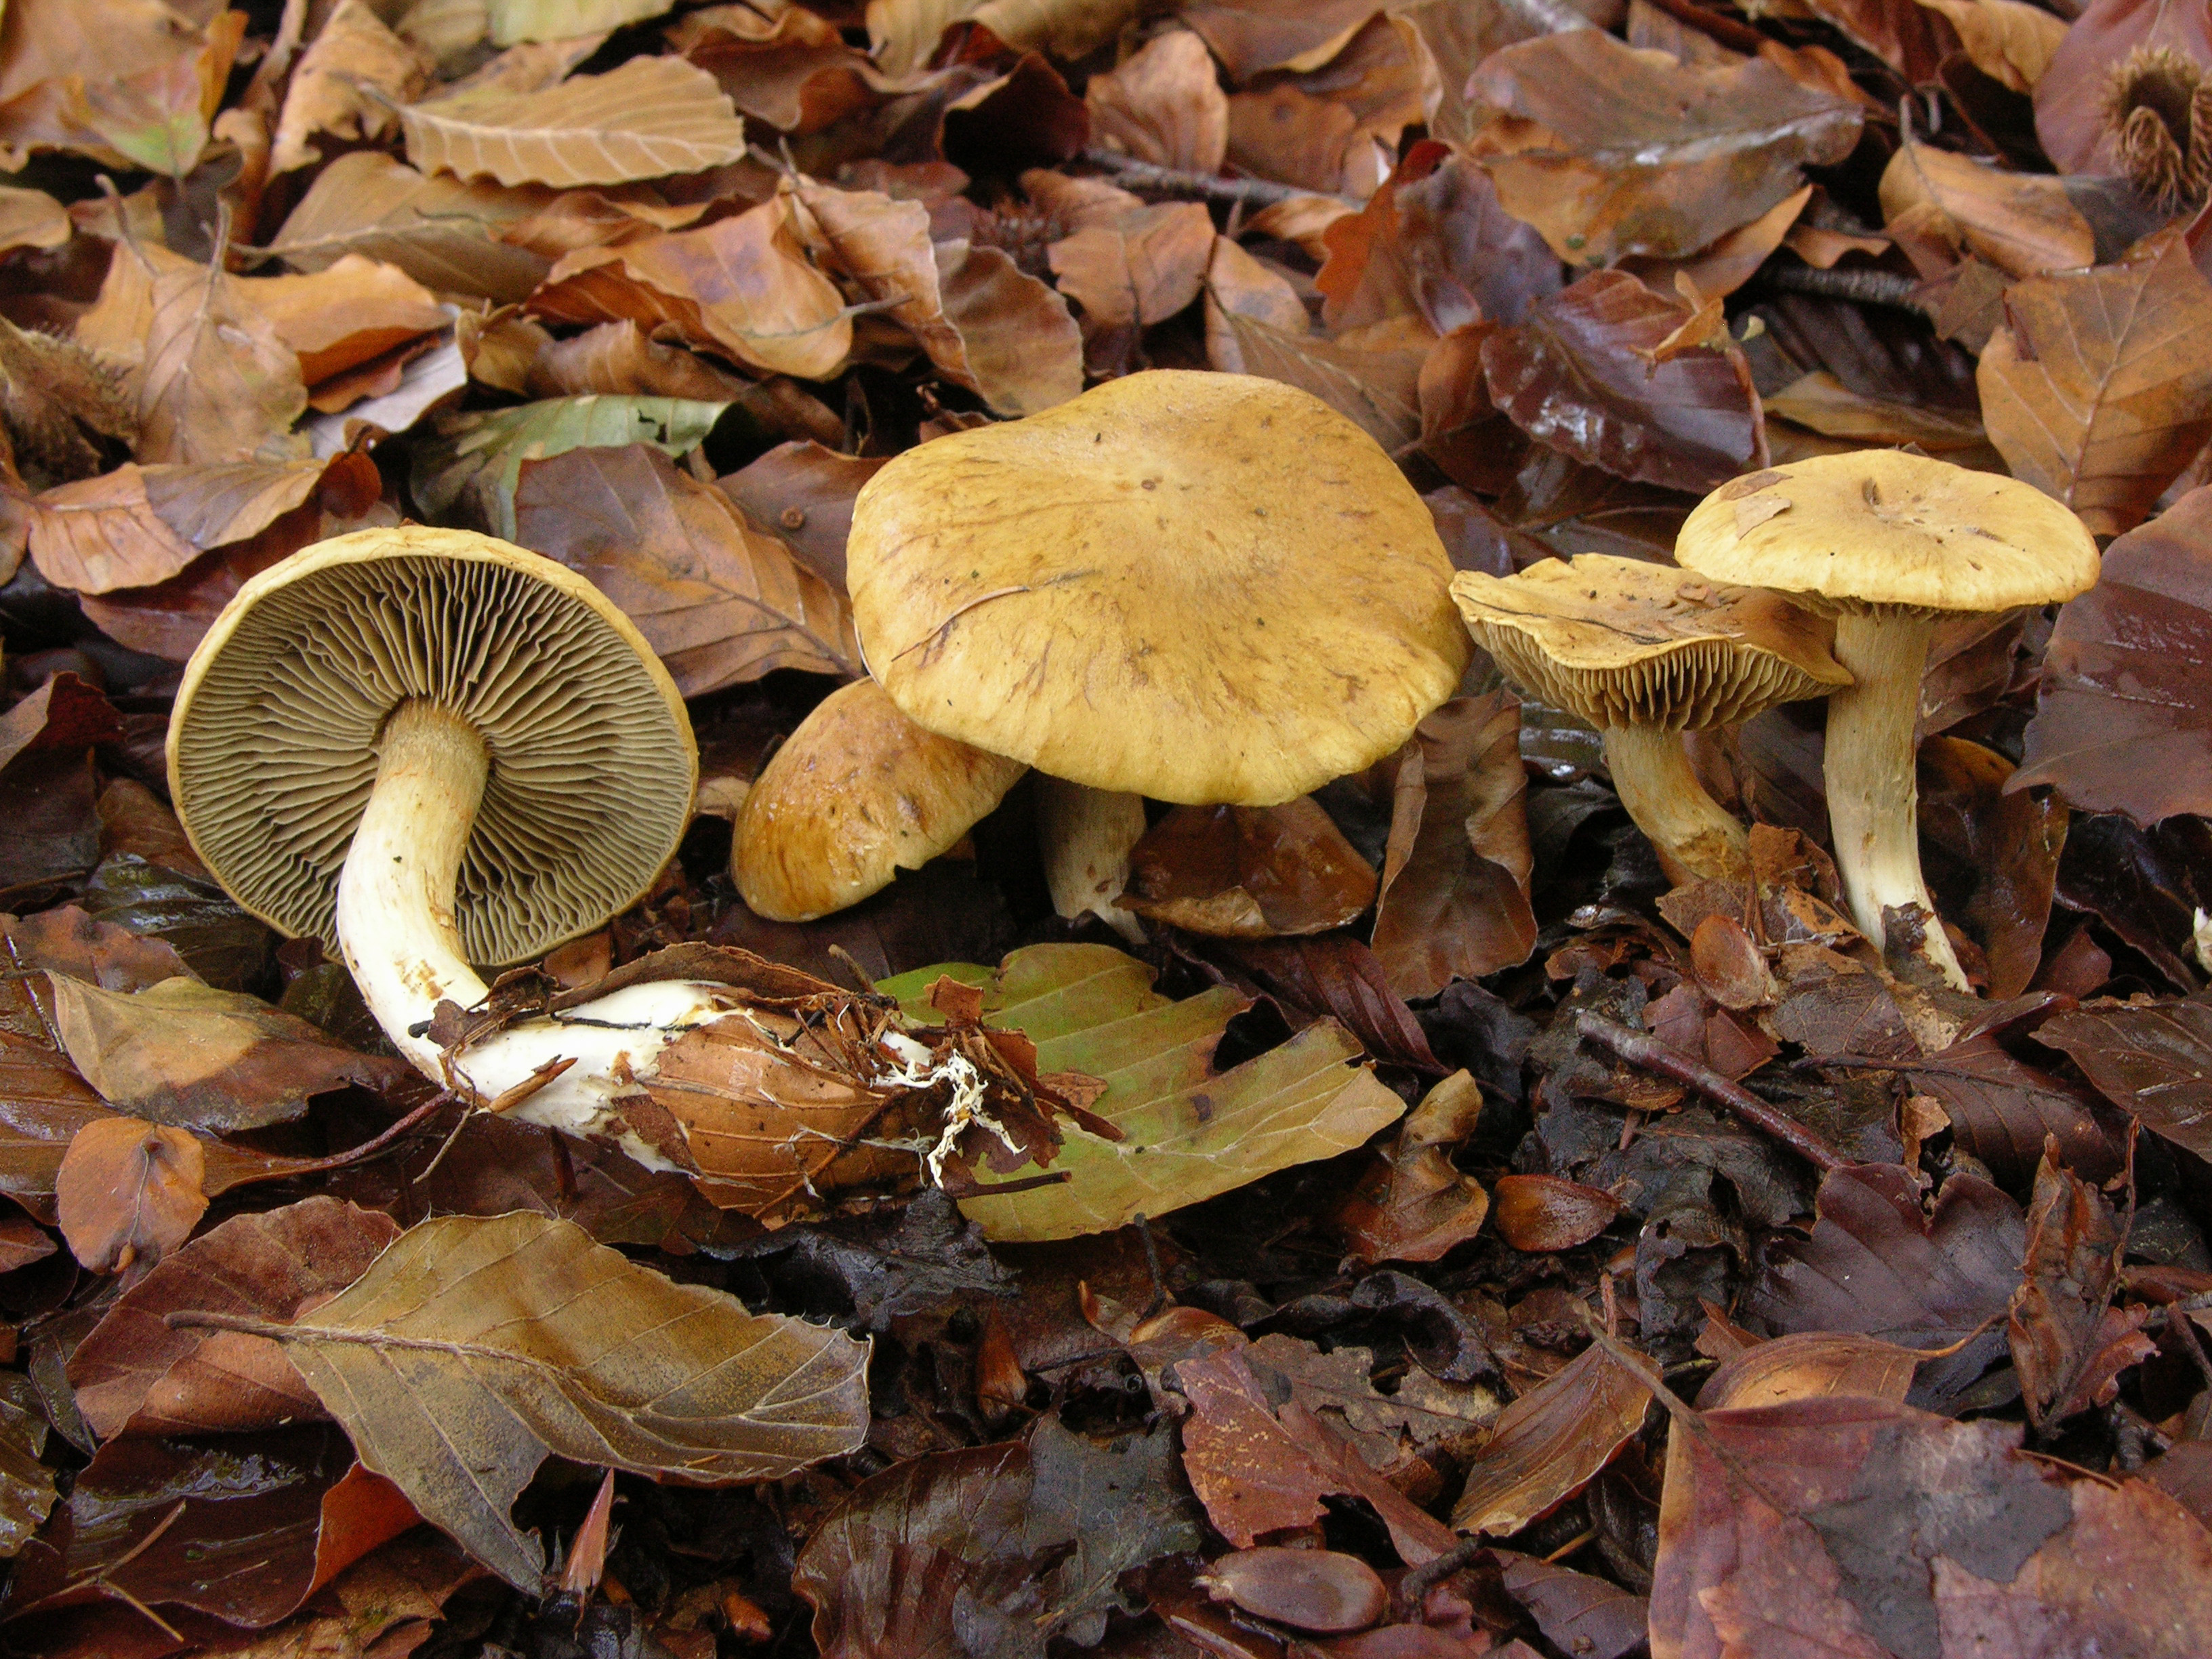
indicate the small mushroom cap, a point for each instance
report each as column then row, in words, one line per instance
column 1207, row 588
column 856, row 794
column 272, row 747
column 1879, row 527
column 1621, row 643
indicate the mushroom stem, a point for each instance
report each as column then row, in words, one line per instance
column 1693, row 837
column 395, row 908
column 1874, row 794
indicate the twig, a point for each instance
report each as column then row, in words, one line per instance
column 1415, row 1584
column 1866, row 287
column 1651, row 1054
column 1128, row 170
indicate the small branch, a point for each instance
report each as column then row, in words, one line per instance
column 1415, row 1585
column 1134, row 174
column 1866, row 287
column 1648, row 1054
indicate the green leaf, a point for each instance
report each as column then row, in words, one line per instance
column 484, row 452
column 1190, row 1133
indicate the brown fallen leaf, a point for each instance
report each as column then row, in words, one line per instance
column 902, row 34
column 785, row 66
column 1609, row 150
column 1940, row 206
column 348, row 312
column 421, row 1362
column 803, row 492
column 649, row 118
column 1249, row 872
column 139, row 525
column 2011, row 843
column 1332, row 127
column 135, row 1375
column 1552, row 1441
column 1253, row 39
column 1235, row 281
column 2010, row 42
column 2124, row 713
column 328, row 91
column 742, row 286
column 2099, row 389
column 440, row 231
column 218, row 382
column 1139, row 270
column 31, row 218
column 1414, row 1205
column 128, row 1192
column 63, row 714
column 1571, row 378
column 720, row 601
column 1538, row 1213
column 1372, row 381
column 1163, row 104
column 133, row 88
column 185, row 1054
column 1453, row 901
column 2069, row 1340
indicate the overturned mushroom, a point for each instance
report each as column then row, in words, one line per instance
column 1644, row 652
column 856, row 794
column 1888, row 542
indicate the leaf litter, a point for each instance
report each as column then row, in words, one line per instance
column 1376, row 1218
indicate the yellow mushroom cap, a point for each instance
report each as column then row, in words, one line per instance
column 1207, row 588
column 272, row 745
column 856, row 794
column 1621, row 643
column 1879, row 527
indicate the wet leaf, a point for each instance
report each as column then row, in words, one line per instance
column 474, row 1348
column 1608, row 150
column 2154, row 1059
column 1091, row 1010
column 2099, row 389
column 1311, row 1589
column 2010, row 841
column 27, row 1486
column 134, row 1375
column 482, row 454
column 2123, row 717
column 946, row 1553
column 65, row 715
column 1570, row 377
column 2069, row 1342
column 741, row 287
column 1455, row 889
column 1249, row 872
column 1414, row 1206
column 185, row 1054
column 127, row 1192
column 440, row 231
column 1876, row 1265
column 649, row 118
column 720, row 601
column 1551, row 1441
column 2002, row 1111
column 1545, row 1212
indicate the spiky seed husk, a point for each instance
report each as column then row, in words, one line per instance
column 59, row 402
column 2158, row 109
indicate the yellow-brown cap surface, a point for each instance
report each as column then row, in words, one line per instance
column 1879, row 527
column 272, row 746
column 856, row 794
column 1207, row 588
column 1622, row 642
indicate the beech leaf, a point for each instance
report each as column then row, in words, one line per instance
column 475, row 1348
column 440, row 231
column 1090, row 1009
column 128, row 1192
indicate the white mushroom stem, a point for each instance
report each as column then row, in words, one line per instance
column 1692, row 836
column 395, row 927
column 1874, row 793
column 1085, row 835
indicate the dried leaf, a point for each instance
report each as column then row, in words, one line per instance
column 1552, row 1441
column 1091, row 1010
column 1138, row 271
column 1333, row 128
column 649, row 118
column 2123, row 715
column 1249, row 872
column 741, row 287
column 904, row 32
column 353, row 51
column 1163, row 104
column 134, row 1375
column 442, row 232
column 1610, row 150
column 1455, row 894
column 483, row 454
column 128, row 1192
column 1941, row 206
column 1571, row 377
column 1374, row 387
column 137, row 526
column 218, row 383
column 1546, row 1212
column 474, row 1348
column 342, row 316
column 2010, row 42
column 720, row 602
column 515, row 21
column 2068, row 1342
column 31, row 218
column 185, row 1054
column 2098, row 389
column 1414, row 1205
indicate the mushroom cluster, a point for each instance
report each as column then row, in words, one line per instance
column 1208, row 589
column 1840, row 566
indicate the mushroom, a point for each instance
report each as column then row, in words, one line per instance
column 1208, row 589
column 856, row 794
column 428, row 749
column 1644, row 652
column 1888, row 542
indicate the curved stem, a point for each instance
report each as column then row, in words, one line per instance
column 1085, row 835
column 1874, row 794
column 395, row 910
column 1693, row 837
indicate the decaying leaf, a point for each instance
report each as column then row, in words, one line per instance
column 1414, row 1206
column 1091, row 1010
column 329, row 92
column 217, row 383
column 1249, row 872
column 440, row 231
column 128, row 1192
column 1551, row 1441
column 2069, row 1342
column 904, row 32
column 2151, row 1058
column 474, row 1348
